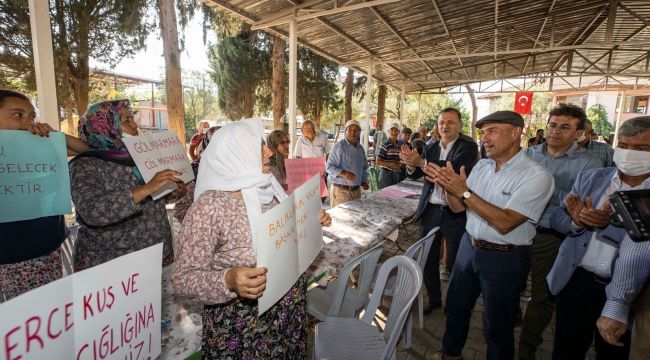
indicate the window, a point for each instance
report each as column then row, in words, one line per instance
column 578, row 100
column 633, row 104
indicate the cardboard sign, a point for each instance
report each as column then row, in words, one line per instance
column 300, row 170
column 156, row 152
column 34, row 176
column 289, row 237
column 111, row 311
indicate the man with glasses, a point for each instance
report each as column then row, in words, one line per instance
column 561, row 157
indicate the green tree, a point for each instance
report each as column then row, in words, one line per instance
column 597, row 114
column 430, row 107
column 200, row 97
column 540, row 109
column 317, row 87
column 240, row 67
column 106, row 30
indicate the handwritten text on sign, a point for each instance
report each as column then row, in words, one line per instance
column 156, row 152
column 111, row 311
column 34, row 176
column 289, row 237
column 301, row 170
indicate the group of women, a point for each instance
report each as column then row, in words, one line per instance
column 214, row 261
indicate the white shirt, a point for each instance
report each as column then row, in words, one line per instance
column 600, row 254
column 521, row 185
column 438, row 194
column 311, row 149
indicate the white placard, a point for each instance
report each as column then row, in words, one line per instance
column 159, row 151
column 289, row 237
column 111, row 311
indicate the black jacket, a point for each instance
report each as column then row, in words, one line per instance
column 464, row 152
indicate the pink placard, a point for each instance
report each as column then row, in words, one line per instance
column 300, row 170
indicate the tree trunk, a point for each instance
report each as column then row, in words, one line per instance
column 72, row 130
column 349, row 84
column 472, row 97
column 381, row 107
column 173, row 82
column 277, row 82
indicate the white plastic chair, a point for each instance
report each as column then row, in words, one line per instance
column 340, row 300
column 357, row 339
column 418, row 252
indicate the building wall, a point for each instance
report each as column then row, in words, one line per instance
column 146, row 118
column 608, row 99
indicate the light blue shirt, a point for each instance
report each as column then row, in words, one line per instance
column 521, row 185
column 565, row 169
column 348, row 157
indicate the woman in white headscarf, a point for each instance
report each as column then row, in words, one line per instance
column 215, row 259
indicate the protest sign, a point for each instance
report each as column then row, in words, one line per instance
column 34, row 176
column 156, row 152
column 300, row 170
column 289, row 237
column 111, row 311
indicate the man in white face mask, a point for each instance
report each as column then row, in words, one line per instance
column 601, row 150
column 599, row 269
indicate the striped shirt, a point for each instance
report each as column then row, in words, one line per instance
column 389, row 151
column 521, row 185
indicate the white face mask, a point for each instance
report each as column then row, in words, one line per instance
column 581, row 138
column 632, row 162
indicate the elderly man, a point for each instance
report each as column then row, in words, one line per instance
column 388, row 158
column 347, row 166
column 564, row 160
column 422, row 130
column 504, row 197
column 311, row 144
column 433, row 208
column 583, row 268
column 601, row 150
column 406, row 134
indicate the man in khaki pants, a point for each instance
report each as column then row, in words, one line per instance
column 347, row 167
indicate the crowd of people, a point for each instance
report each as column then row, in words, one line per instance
column 512, row 214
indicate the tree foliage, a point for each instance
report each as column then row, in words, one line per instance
column 106, row 30
column 317, row 88
column 597, row 114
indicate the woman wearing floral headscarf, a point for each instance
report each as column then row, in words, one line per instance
column 216, row 262
column 115, row 212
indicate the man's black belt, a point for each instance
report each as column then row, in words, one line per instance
column 557, row 234
column 347, row 187
column 486, row 245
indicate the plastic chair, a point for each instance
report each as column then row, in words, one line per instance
column 418, row 252
column 340, row 300
column 357, row 339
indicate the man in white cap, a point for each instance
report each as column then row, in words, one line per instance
column 388, row 158
column 347, row 166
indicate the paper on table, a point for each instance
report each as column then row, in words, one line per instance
column 393, row 193
column 159, row 151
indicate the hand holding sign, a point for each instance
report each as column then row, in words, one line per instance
column 161, row 180
column 247, row 282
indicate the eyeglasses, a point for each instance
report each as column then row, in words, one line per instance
column 560, row 128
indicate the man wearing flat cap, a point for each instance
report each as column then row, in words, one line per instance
column 504, row 197
column 388, row 158
column 347, row 166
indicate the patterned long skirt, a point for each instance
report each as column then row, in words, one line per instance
column 235, row 331
column 23, row 276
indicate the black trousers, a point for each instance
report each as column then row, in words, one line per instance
column 452, row 227
column 577, row 308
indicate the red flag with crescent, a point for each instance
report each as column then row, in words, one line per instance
column 523, row 102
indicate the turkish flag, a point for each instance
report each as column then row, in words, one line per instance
column 523, row 102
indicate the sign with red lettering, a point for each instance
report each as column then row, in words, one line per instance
column 156, row 152
column 302, row 169
column 523, row 102
column 289, row 237
column 111, row 311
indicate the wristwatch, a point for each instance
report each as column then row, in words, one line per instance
column 467, row 194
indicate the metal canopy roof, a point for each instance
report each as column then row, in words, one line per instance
column 437, row 44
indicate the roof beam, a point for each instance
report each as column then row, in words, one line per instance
column 611, row 20
column 637, row 16
column 263, row 24
column 453, row 45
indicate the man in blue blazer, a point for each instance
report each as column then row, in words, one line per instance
column 587, row 258
column 433, row 208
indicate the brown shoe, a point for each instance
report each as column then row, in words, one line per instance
column 442, row 356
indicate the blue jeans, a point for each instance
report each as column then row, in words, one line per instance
column 500, row 277
column 388, row 178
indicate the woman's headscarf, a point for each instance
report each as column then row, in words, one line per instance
column 273, row 141
column 101, row 127
column 233, row 161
